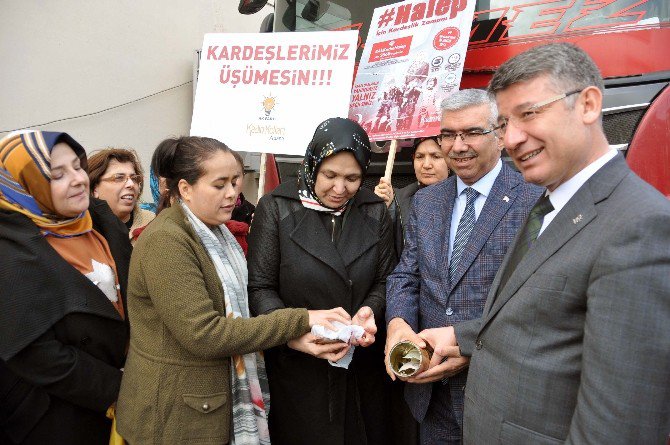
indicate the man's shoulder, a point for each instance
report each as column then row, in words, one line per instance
column 633, row 194
column 615, row 184
column 436, row 191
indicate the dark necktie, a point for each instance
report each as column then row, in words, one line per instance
column 464, row 229
column 528, row 236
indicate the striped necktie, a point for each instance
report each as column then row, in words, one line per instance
column 465, row 226
column 528, row 236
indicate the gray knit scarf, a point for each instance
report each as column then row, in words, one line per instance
column 251, row 395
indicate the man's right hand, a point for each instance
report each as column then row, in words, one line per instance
column 398, row 330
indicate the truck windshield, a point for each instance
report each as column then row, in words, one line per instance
column 496, row 21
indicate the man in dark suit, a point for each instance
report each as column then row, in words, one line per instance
column 457, row 234
column 573, row 342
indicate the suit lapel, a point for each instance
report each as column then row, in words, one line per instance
column 311, row 235
column 441, row 227
column 493, row 211
column 576, row 215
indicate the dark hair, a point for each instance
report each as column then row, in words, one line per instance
column 99, row 161
column 421, row 140
column 567, row 66
column 184, row 158
column 238, row 158
column 160, row 159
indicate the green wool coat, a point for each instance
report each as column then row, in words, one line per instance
column 176, row 386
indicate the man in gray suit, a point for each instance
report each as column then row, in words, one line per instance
column 574, row 342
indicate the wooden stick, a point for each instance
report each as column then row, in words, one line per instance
column 261, row 176
column 390, row 160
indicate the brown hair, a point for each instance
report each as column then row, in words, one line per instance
column 99, row 161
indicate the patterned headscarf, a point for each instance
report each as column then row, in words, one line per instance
column 155, row 193
column 332, row 136
column 25, row 181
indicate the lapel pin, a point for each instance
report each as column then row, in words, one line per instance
column 505, row 198
column 576, row 220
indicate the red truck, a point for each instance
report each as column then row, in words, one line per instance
column 628, row 39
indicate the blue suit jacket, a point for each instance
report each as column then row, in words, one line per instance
column 419, row 290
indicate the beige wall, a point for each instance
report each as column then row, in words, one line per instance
column 64, row 58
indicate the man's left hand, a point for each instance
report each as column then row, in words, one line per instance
column 444, row 367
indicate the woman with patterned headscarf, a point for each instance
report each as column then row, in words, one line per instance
column 325, row 242
column 63, row 280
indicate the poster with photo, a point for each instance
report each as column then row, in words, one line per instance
column 413, row 58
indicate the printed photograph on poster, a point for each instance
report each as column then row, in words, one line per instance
column 413, row 58
column 267, row 92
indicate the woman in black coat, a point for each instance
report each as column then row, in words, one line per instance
column 319, row 244
column 63, row 279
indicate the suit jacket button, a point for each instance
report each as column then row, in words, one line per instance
column 479, row 344
column 450, row 311
column 205, row 407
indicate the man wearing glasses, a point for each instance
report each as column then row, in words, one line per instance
column 573, row 343
column 457, row 234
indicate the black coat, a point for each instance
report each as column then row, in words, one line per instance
column 294, row 263
column 56, row 387
column 402, row 204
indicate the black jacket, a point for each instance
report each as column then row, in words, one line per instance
column 402, row 205
column 63, row 342
column 294, row 263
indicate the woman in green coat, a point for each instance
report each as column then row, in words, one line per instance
column 192, row 374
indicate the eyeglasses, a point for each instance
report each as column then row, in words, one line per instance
column 469, row 137
column 122, row 178
column 531, row 112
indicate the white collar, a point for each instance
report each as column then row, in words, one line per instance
column 485, row 183
column 562, row 194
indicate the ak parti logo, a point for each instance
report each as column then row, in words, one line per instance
column 269, row 103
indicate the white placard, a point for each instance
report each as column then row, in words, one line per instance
column 267, row 92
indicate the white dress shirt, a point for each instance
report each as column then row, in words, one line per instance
column 483, row 186
column 562, row 194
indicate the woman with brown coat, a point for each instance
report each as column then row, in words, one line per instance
column 192, row 374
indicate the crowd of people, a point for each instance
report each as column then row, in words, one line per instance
column 542, row 293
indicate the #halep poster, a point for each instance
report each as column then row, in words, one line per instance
column 413, row 59
column 267, row 92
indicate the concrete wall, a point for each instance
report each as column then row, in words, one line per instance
column 65, row 58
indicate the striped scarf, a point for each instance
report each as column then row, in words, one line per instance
column 251, row 395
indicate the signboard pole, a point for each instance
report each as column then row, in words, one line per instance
column 261, row 177
column 391, row 160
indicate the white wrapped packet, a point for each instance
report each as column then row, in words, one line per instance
column 344, row 333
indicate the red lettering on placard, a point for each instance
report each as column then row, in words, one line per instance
column 390, row 49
